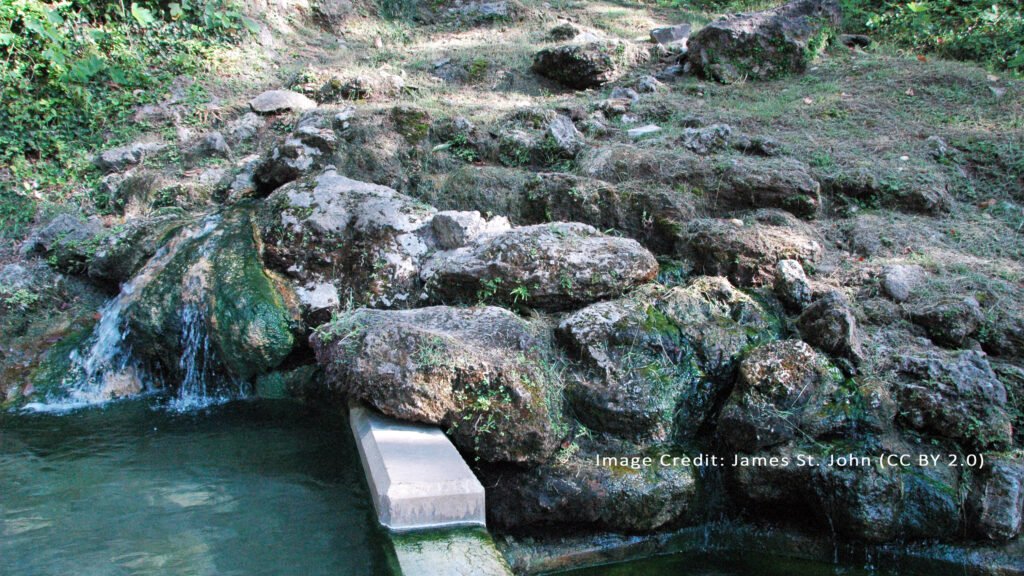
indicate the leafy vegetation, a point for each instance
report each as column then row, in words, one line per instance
column 72, row 72
column 987, row 31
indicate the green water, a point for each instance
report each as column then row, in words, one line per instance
column 246, row 488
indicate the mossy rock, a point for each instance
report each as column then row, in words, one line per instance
column 218, row 274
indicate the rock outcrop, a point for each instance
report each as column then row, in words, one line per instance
column 479, row 372
column 763, row 45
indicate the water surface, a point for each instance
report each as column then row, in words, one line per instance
column 245, row 488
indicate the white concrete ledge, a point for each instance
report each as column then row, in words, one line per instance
column 416, row 476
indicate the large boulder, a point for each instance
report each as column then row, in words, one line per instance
column 949, row 321
column 650, row 214
column 478, row 372
column 764, row 45
column 995, row 505
column 206, row 312
column 588, row 65
column 118, row 159
column 661, row 358
column 722, row 184
column 784, row 390
column 579, row 491
column 306, row 149
column 66, row 241
column 275, row 101
column 745, row 252
column 954, row 395
column 343, row 240
column 120, row 254
column 829, row 324
column 547, row 266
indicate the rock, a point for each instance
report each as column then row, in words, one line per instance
column 949, row 321
column 677, row 34
column 995, row 505
column 379, row 85
column 332, row 14
column 899, row 280
column 567, row 138
column 245, row 127
column 488, row 189
column 384, row 234
column 791, row 284
column 66, row 241
column 612, row 107
column 457, row 229
column 211, row 315
column 648, row 214
column 549, row 266
column 118, row 159
column 660, row 358
column 855, row 40
column 276, row 101
column 830, row 325
column 784, row 390
column 913, row 188
column 862, row 502
column 954, row 395
column 619, row 93
column 648, row 85
column 304, row 151
column 747, row 254
column 122, row 253
column 643, row 131
column 564, row 31
column 477, row 372
column 737, row 181
column 707, row 140
column 764, row 45
column 583, row 66
column 579, row 492
column 211, row 144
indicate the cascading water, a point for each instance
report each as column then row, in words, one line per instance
column 107, row 369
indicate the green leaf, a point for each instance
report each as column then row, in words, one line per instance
column 7, row 38
column 917, row 6
column 86, row 68
column 250, row 24
column 144, row 16
column 176, row 11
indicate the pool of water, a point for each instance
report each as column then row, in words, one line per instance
column 244, row 488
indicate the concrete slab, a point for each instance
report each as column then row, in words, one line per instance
column 416, row 476
column 463, row 552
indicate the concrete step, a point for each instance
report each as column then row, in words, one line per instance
column 416, row 476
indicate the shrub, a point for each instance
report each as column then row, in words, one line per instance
column 71, row 72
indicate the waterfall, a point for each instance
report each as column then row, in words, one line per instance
column 106, row 369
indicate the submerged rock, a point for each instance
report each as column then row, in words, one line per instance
column 478, row 372
column 548, row 266
column 661, row 358
column 764, row 45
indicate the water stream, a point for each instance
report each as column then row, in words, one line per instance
column 106, row 368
